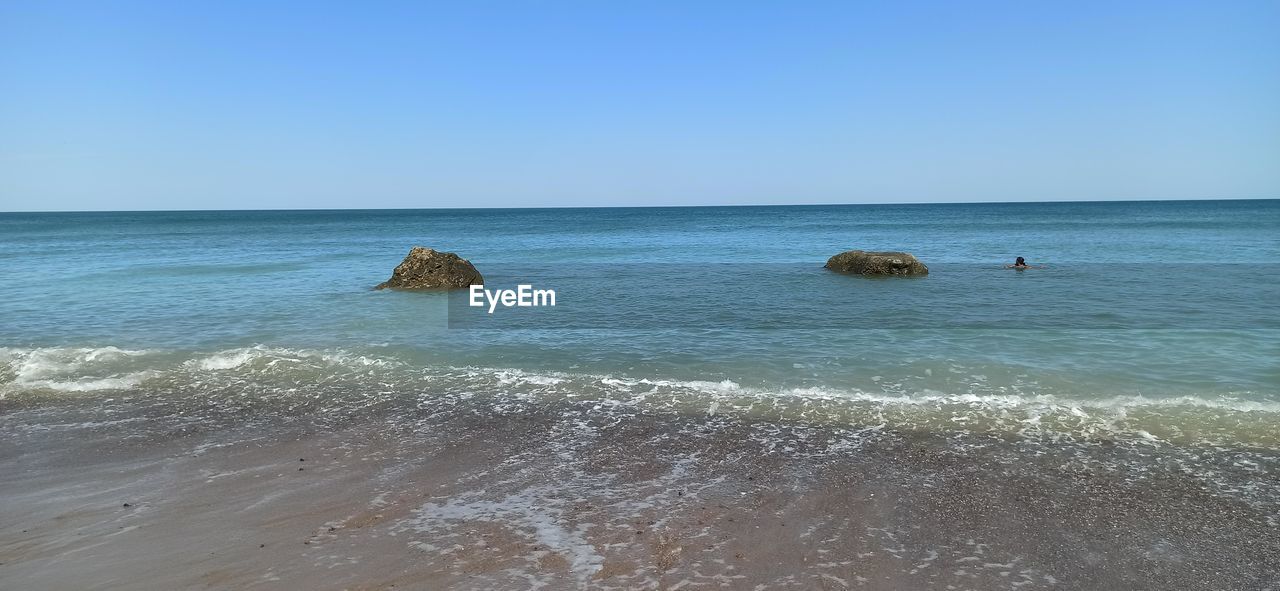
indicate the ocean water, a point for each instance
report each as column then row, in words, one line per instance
column 1152, row 319
column 222, row 400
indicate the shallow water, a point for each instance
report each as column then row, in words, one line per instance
column 1150, row 305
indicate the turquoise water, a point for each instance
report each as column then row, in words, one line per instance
column 1153, row 319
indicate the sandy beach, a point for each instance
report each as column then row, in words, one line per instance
column 469, row 493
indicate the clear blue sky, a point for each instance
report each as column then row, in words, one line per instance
column 206, row 105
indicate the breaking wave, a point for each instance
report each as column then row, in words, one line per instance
column 333, row 378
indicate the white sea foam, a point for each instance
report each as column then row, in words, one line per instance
column 72, row 369
column 121, row 382
column 532, row 510
column 1013, row 410
column 1074, row 406
column 1012, row 407
column 227, row 359
column 273, row 357
column 28, row 364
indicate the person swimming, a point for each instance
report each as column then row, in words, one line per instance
column 1021, row 263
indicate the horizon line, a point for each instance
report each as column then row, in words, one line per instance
column 536, row 207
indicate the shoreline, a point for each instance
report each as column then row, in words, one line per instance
column 563, row 494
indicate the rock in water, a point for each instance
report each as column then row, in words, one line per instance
column 863, row 262
column 427, row 268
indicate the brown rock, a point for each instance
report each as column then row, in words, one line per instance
column 425, row 268
column 863, row 262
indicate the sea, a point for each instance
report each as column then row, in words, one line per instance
column 1143, row 346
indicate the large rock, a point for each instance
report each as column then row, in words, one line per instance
column 864, row 262
column 427, row 268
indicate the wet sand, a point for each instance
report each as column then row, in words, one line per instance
column 570, row 495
